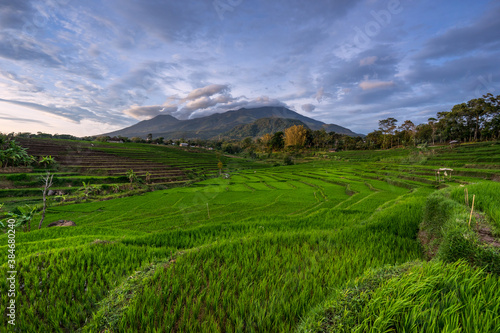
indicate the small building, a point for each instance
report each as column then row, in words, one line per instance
column 183, row 144
column 454, row 142
column 442, row 173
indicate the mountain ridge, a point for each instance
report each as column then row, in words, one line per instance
column 216, row 124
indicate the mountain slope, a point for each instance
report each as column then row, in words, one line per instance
column 260, row 127
column 218, row 123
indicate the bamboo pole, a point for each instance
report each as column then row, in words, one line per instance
column 208, row 211
column 470, row 217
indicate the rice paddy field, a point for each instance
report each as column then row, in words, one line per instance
column 337, row 244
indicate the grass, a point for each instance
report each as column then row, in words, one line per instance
column 271, row 249
column 416, row 297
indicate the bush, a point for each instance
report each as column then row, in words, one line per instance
column 287, row 160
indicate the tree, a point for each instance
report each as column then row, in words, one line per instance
column 319, row 138
column 295, row 136
column 46, row 161
column 136, row 139
column 149, row 137
column 158, row 140
column 492, row 123
column 247, row 143
column 47, row 181
column 432, row 123
column 102, row 138
column 477, row 110
column 22, row 216
column 219, row 166
column 11, row 153
column 265, row 141
column 387, row 126
column 375, row 139
column 408, row 132
column 424, row 133
column 277, row 142
column 131, row 175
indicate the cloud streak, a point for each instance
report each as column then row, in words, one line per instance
column 118, row 62
column 370, row 85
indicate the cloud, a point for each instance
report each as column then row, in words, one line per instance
column 24, row 120
column 461, row 40
column 264, row 101
column 308, row 107
column 368, row 61
column 22, row 47
column 207, row 91
column 369, row 85
column 199, row 102
column 141, row 83
column 320, row 95
column 72, row 113
column 169, row 20
column 143, row 112
column 13, row 14
column 22, row 83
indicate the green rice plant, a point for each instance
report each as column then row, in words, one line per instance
column 417, row 297
column 84, row 273
column 448, row 235
column 435, row 298
column 487, row 198
column 280, row 243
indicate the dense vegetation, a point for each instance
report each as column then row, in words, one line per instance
column 334, row 244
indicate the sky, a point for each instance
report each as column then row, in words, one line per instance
column 91, row 67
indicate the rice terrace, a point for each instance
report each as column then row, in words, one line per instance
column 326, row 166
column 337, row 242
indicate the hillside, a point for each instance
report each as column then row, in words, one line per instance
column 332, row 245
column 260, row 127
column 217, row 124
column 103, row 168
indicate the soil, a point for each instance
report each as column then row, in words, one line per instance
column 429, row 245
column 15, row 170
column 485, row 235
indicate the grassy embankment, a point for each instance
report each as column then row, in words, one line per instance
column 272, row 249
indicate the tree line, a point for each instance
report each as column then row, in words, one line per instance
column 475, row 120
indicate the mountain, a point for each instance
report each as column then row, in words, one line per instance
column 260, row 127
column 218, row 123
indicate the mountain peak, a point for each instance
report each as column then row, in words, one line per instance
column 216, row 124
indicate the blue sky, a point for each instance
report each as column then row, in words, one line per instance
column 89, row 67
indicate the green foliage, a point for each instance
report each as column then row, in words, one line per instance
column 84, row 273
column 487, row 195
column 287, row 160
column 12, row 154
column 420, row 297
column 23, row 217
column 46, row 161
column 446, row 223
column 257, row 252
column 131, row 175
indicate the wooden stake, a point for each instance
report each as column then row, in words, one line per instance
column 208, row 211
column 470, row 217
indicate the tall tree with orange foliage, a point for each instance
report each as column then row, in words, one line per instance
column 295, row 136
